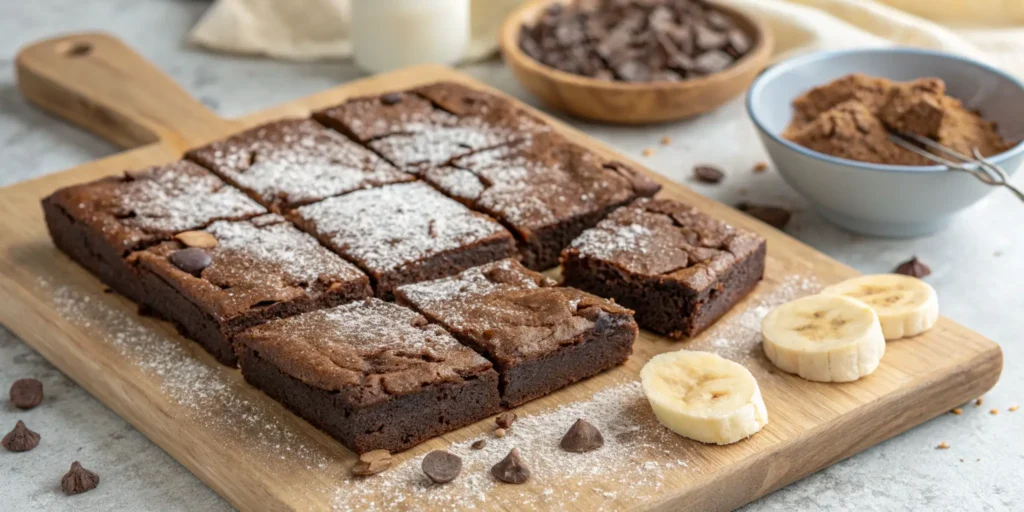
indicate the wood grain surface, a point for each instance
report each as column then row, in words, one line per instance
column 258, row 456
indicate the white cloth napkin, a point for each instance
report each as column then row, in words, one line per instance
column 988, row 30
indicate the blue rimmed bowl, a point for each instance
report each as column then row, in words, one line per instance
column 885, row 200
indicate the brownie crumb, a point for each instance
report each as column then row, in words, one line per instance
column 942, row 446
column 914, row 268
column 1013, row 408
column 993, row 412
column 958, row 411
column 582, row 437
column 26, row 393
column 499, row 432
column 78, row 480
column 505, row 419
column 760, row 167
column 771, row 215
column 665, row 141
column 648, row 152
column 441, row 467
column 708, row 174
column 479, row 444
column 372, row 462
column 512, row 469
column 979, row 401
column 21, row 439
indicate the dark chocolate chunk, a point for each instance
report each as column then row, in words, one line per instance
column 479, row 444
column 582, row 437
column 708, row 39
column 772, row 215
column 391, row 98
column 192, row 260
column 708, row 174
column 21, row 439
column 505, row 419
column 914, row 268
column 26, row 393
column 511, row 469
column 712, row 62
column 739, row 42
column 78, row 480
column 442, row 467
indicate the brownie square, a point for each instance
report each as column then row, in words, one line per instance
column 292, row 162
column 677, row 267
column 415, row 133
column 372, row 374
column 99, row 223
column 539, row 337
column 545, row 189
column 260, row 269
column 405, row 233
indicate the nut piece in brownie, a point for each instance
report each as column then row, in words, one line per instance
column 539, row 337
column 256, row 270
column 405, row 233
column 372, row 374
column 547, row 190
column 292, row 162
column 99, row 223
column 677, row 267
column 414, row 132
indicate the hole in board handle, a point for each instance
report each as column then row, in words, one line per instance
column 74, row 49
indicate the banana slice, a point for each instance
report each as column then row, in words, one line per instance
column 703, row 396
column 825, row 338
column 906, row 306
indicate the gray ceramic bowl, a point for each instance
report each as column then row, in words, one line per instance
column 884, row 200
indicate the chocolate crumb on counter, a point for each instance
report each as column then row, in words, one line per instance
column 582, row 437
column 479, row 444
column 914, row 268
column 26, row 393
column 21, row 439
column 505, row 419
column 441, row 467
column 942, row 446
column 512, row 469
column 958, row 411
column 760, row 167
column 78, row 480
column 708, row 174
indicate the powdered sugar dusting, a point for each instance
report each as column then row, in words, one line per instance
column 387, row 227
column 738, row 337
column 610, row 240
column 178, row 197
column 431, row 145
column 629, row 467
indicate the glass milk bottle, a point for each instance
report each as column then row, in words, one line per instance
column 389, row 34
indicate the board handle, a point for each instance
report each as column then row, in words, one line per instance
column 96, row 81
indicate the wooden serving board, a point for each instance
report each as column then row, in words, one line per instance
column 258, row 456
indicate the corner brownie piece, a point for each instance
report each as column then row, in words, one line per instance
column 546, row 190
column 372, row 374
column 539, row 337
column 99, row 223
column 292, row 162
column 415, row 133
column 677, row 267
column 260, row 269
column 405, row 233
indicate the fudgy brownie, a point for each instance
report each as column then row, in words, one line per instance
column 539, row 337
column 259, row 269
column 372, row 374
column 431, row 125
column 292, row 162
column 99, row 223
column 545, row 189
column 677, row 267
column 405, row 233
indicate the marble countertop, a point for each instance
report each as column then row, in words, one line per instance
column 977, row 263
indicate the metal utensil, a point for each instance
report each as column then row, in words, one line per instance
column 978, row 166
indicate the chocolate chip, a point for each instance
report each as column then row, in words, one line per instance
column 582, row 437
column 914, row 268
column 192, row 260
column 712, row 62
column 708, row 174
column 21, row 439
column 739, row 42
column 708, row 39
column 391, row 98
column 78, row 480
column 511, row 469
column 200, row 239
column 771, row 215
column 505, row 419
column 478, row 444
column 26, row 393
column 371, row 463
column 442, row 467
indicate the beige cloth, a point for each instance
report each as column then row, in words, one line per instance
column 989, row 30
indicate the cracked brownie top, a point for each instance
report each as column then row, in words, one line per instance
column 259, row 264
column 143, row 207
column 293, row 162
column 665, row 238
column 512, row 314
column 366, row 350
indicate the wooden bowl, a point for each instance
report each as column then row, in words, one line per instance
column 626, row 102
